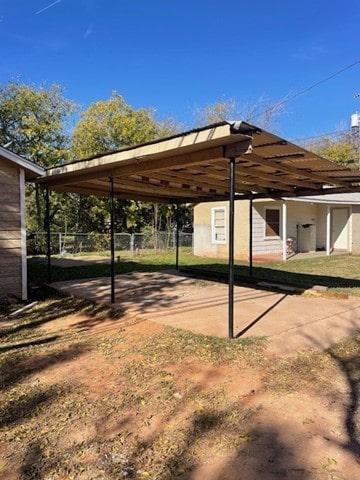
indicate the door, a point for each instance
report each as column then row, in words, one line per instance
column 340, row 228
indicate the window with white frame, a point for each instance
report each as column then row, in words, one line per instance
column 218, row 225
column 272, row 222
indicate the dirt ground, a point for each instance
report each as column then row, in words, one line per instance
column 91, row 396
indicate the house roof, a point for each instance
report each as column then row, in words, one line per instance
column 335, row 198
column 32, row 171
column 194, row 167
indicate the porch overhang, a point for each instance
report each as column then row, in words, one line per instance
column 193, row 167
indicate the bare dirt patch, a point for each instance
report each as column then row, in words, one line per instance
column 88, row 395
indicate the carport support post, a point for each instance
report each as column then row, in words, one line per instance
column 177, row 237
column 112, row 237
column 251, row 236
column 284, row 230
column 231, row 246
column 48, row 234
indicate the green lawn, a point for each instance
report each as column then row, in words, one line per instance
column 339, row 272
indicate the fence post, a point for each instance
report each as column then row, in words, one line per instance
column 132, row 244
column 177, row 238
column 60, row 243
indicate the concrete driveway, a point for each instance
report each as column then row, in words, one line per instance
column 292, row 323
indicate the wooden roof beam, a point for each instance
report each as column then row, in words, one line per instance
column 142, row 188
column 292, row 170
column 212, row 173
column 262, row 183
column 198, row 181
column 121, row 195
column 253, row 171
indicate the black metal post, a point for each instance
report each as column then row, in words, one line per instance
column 231, row 246
column 48, row 234
column 112, row 238
column 251, row 237
column 177, row 238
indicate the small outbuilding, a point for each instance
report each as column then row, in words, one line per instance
column 323, row 223
column 14, row 172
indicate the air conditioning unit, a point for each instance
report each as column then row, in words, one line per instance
column 306, row 241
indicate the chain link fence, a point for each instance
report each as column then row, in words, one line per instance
column 66, row 244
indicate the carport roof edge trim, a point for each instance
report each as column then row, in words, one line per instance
column 235, row 128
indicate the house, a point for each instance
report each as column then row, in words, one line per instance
column 329, row 222
column 14, row 171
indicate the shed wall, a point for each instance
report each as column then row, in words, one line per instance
column 10, row 231
column 203, row 244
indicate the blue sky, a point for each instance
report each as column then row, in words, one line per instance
column 176, row 55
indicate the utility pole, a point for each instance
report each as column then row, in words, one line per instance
column 355, row 130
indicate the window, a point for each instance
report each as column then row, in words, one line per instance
column 218, row 225
column 272, row 222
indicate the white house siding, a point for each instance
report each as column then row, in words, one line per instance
column 321, row 226
column 300, row 214
column 261, row 244
column 356, row 229
column 297, row 214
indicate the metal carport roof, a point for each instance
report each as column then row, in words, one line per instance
column 194, row 167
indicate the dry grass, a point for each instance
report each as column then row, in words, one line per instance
column 119, row 401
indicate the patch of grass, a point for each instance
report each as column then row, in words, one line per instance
column 347, row 349
column 338, row 272
column 292, row 374
column 219, row 351
column 315, row 369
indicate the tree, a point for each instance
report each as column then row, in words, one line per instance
column 109, row 125
column 342, row 150
column 33, row 124
column 262, row 112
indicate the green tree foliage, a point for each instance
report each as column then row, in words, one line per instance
column 106, row 126
column 109, row 125
column 342, row 150
column 33, row 124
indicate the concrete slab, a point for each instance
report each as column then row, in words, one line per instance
column 292, row 323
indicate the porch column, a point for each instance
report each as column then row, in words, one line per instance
column 328, row 231
column 112, row 238
column 231, row 247
column 284, row 230
column 48, row 234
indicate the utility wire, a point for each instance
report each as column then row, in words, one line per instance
column 321, row 135
column 306, row 90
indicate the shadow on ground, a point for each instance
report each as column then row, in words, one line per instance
column 38, row 273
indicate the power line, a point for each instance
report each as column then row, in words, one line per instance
column 322, row 135
column 306, row 90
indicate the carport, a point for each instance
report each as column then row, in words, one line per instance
column 225, row 161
